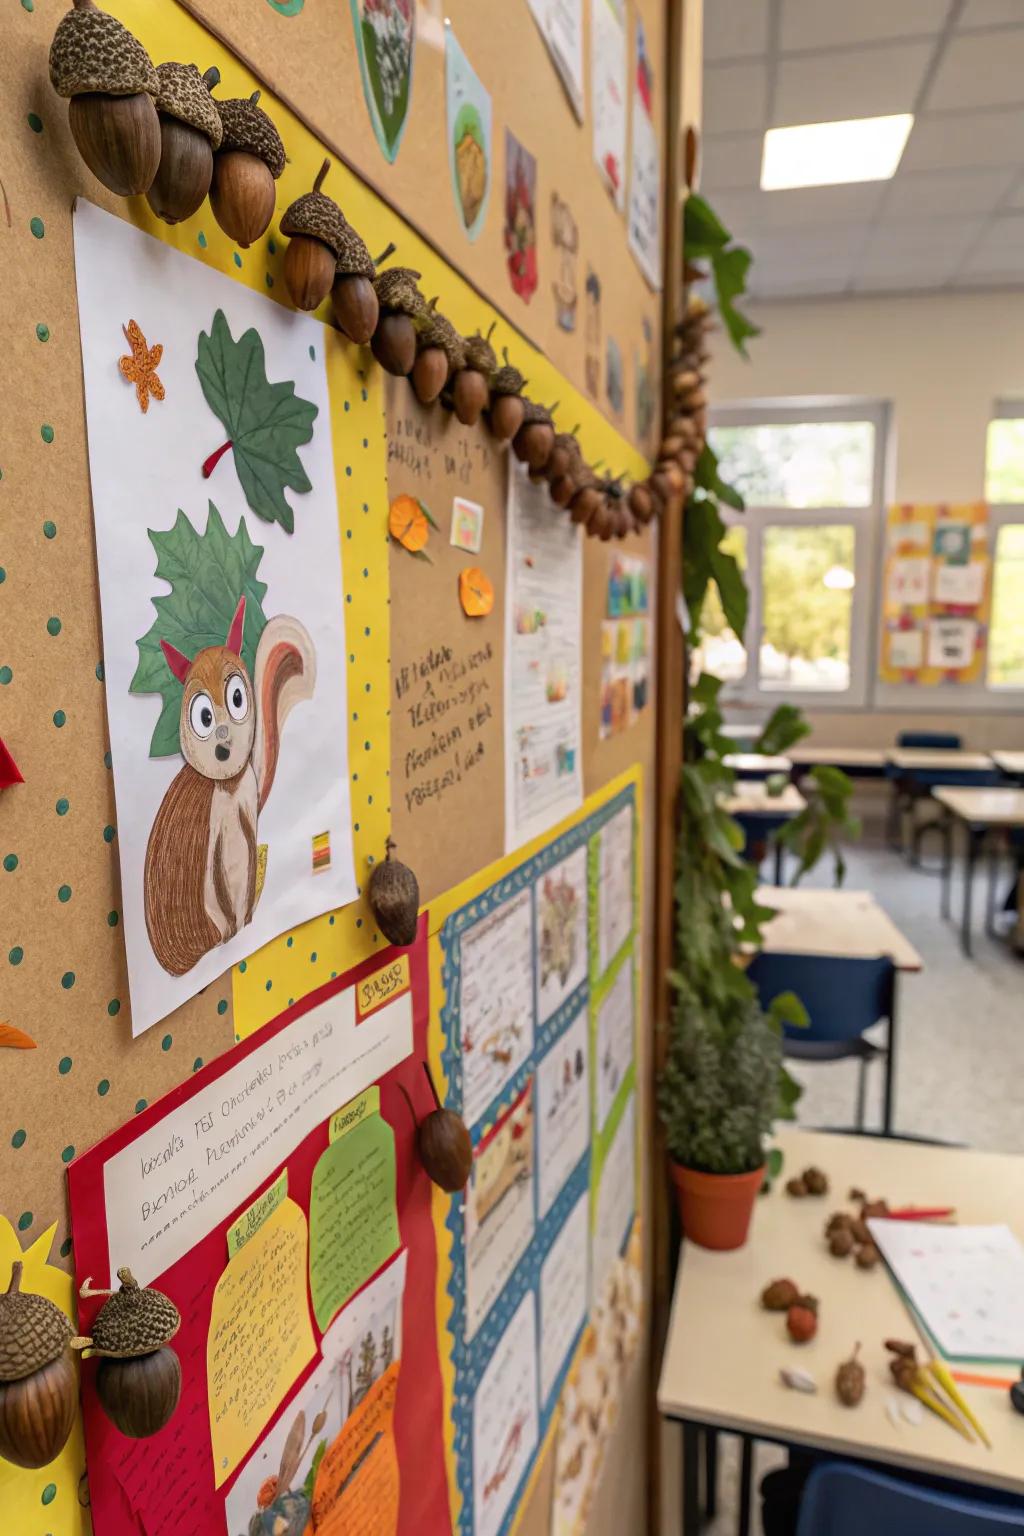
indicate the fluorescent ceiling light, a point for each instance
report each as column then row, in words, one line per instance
column 825, row 154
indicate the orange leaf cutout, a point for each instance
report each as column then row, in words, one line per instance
column 476, row 593
column 140, row 368
column 408, row 524
column 15, row 1039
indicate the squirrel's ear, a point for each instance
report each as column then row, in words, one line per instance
column 234, row 640
column 178, row 663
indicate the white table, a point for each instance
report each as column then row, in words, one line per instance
column 847, row 924
column 981, row 812
column 1010, row 763
column 762, row 813
column 723, row 1353
column 938, row 760
column 857, row 762
column 757, row 765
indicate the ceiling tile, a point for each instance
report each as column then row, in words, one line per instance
column 748, row 212
column 734, row 97
column 1000, row 251
column 980, row 69
column 988, row 13
column 947, row 141
column 735, row 29
column 851, row 82
column 891, row 282
column 927, row 250
column 814, row 24
column 730, row 162
column 1016, row 198
column 929, row 194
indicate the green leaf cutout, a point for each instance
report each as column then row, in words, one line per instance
column 265, row 422
column 207, row 573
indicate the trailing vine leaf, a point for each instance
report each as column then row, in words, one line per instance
column 784, row 727
column 265, row 422
column 207, row 573
column 706, row 237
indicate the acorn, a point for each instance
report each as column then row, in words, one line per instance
column 780, row 1295
column 250, row 160
column 816, row 1181
column 587, row 498
column 602, row 523
column 443, row 1142
column 619, row 521
column 439, row 354
column 796, row 1187
column 565, row 455
column 315, row 226
column 641, row 503
column 353, row 296
column 802, row 1320
column 535, row 439
column 400, row 303
column 139, row 1377
column 851, row 1381
column 394, row 897
column 190, row 131
column 507, row 406
column 111, row 82
column 38, row 1382
column 840, row 1244
column 867, row 1256
column 471, row 390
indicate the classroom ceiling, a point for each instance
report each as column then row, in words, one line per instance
column 953, row 215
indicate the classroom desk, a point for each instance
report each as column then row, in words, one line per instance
column 743, row 735
column 849, row 925
column 723, row 1353
column 1010, row 763
column 761, row 814
column 856, row 762
column 757, row 765
column 980, row 811
column 929, row 760
column 916, row 771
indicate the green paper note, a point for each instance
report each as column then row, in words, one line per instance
column 353, row 1215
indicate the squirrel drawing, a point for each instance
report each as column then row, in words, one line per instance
column 200, row 874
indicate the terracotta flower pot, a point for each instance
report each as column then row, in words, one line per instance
column 715, row 1208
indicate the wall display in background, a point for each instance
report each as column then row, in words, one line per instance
column 625, row 645
column 566, row 238
column 614, row 377
column 543, row 609
column 592, row 333
column 608, row 94
column 467, row 525
column 561, row 26
column 645, row 169
column 906, row 649
column 645, row 379
column 470, row 147
column 210, row 603
column 952, row 644
column 520, row 217
column 385, row 33
column 937, row 595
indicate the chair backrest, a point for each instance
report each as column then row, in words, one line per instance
column 841, row 1499
column 843, row 997
column 928, row 741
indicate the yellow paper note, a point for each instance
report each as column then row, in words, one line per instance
column 260, row 1335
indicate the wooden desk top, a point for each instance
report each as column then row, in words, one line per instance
column 1010, row 762
column 757, row 762
column 983, row 807
column 933, row 760
column 857, row 757
column 723, row 1353
column 751, row 798
column 846, row 924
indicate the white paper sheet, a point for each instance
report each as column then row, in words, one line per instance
column 376, row 1311
column 608, row 95
column 561, row 896
column 543, row 608
column 951, row 643
column 498, row 1209
column 908, row 581
column 320, row 1395
column 616, row 1197
column 144, row 467
column 495, row 1002
column 960, row 583
column 561, row 26
column 505, row 1420
column 563, row 1110
column 563, row 1295
column 906, row 649
column 615, row 886
column 616, row 1029
column 645, row 169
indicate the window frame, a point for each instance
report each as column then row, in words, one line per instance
column 867, row 523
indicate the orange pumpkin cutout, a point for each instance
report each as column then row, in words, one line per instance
column 476, row 593
column 408, row 522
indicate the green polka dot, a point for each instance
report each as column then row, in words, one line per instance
column 30, row 5
column 25, row 1220
column 18, row 1139
column 35, row 122
column 66, row 1247
column 46, row 432
column 49, row 529
column 201, row 238
column 109, row 834
column 59, row 718
column 5, row 674
column 42, row 332
column 140, row 1106
column 268, row 280
column 36, row 225
column 3, row 575
column 166, row 1042
column 64, row 893
column 272, row 246
column 312, row 353
column 63, row 806
column 114, row 1007
column 312, row 958
column 16, row 955
column 107, row 760
column 67, row 1154
column 53, row 626
column 237, row 259
column 67, row 981
column 197, row 1064
column 100, row 674
column 64, row 1066
column 222, row 1006
column 242, row 967
column 10, row 862
column 103, row 1087
column 112, row 919
column 270, row 986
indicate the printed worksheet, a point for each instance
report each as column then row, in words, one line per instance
column 505, row 1420
column 615, row 886
column 563, row 1109
column 496, row 1001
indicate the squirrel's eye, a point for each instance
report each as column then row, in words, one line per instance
column 200, row 714
column 237, row 697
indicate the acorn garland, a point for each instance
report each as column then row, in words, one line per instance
column 246, row 169
column 139, row 1376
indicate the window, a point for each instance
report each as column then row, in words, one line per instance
column 812, row 481
column 1004, row 455
column 1006, row 630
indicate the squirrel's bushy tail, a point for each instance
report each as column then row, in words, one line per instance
column 285, row 675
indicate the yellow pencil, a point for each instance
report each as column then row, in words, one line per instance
column 944, row 1377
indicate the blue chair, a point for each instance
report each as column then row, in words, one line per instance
column 842, row 1499
column 930, row 741
column 843, row 999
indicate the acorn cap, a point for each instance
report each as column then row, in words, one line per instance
column 571, row 443
column 507, row 381
column 247, row 127
column 397, row 290
column 33, row 1331
column 135, row 1321
column 354, row 260
column 183, row 93
column 532, row 412
column 318, row 216
column 93, row 51
column 480, row 354
column 435, row 330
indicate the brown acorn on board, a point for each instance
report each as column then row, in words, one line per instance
column 111, row 83
column 641, row 503
column 507, row 406
column 535, row 439
column 353, row 296
column 440, row 353
column 139, row 1376
column 470, row 389
column 443, row 1142
column 38, row 1381
column 394, row 896
column 400, row 303
column 314, row 225
column 587, row 498
column 190, row 131
column 249, row 161
column 564, row 456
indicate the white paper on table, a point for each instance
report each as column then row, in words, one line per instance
column 908, row 581
column 143, row 468
column 561, row 27
column 506, row 1425
column 543, row 680
column 966, row 1284
column 906, row 649
column 963, row 584
column 608, row 94
column 616, row 1198
column 645, row 170
column 951, row 643
column 563, row 1294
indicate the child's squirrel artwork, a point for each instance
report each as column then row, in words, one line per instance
column 200, row 883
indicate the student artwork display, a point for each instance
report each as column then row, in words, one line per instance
column 561, row 26
column 385, row 34
column 538, row 1011
column 565, row 237
column 224, row 662
column 625, row 645
column 520, row 217
column 470, row 155
column 645, row 170
column 936, row 595
column 608, row 94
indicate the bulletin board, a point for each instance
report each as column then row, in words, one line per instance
column 62, row 949
column 937, row 595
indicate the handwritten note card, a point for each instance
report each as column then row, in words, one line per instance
column 353, row 1218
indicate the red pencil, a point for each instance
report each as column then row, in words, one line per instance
column 923, row 1213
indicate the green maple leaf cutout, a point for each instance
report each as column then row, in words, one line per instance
column 207, row 572
column 265, row 422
